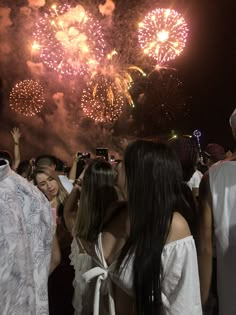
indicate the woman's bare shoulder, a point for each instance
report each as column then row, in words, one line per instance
column 179, row 228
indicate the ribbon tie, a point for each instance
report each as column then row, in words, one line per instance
column 101, row 275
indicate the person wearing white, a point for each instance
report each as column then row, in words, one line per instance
column 26, row 234
column 66, row 183
column 107, row 273
column 218, row 209
column 195, row 180
column 180, row 281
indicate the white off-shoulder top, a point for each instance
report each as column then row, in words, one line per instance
column 94, row 278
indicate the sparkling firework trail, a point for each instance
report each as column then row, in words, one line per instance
column 101, row 100
column 27, row 98
column 69, row 40
column 162, row 99
column 120, row 73
column 162, row 35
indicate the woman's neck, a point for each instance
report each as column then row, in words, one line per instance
column 54, row 202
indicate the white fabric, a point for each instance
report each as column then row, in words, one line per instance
column 232, row 119
column 66, row 182
column 223, row 190
column 26, row 232
column 195, row 180
column 180, row 294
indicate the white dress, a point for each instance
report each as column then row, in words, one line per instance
column 180, row 286
column 222, row 178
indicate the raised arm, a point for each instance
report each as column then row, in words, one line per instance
column 16, row 135
column 72, row 173
column 71, row 206
column 204, row 239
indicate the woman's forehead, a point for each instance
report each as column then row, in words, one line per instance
column 40, row 177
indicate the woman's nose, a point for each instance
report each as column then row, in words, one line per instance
column 49, row 185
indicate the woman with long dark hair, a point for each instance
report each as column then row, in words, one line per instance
column 141, row 259
column 159, row 247
column 99, row 225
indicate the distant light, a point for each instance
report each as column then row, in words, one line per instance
column 173, row 137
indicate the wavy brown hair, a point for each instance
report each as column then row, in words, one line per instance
column 62, row 193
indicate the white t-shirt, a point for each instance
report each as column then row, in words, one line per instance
column 195, row 180
column 66, row 182
column 180, row 293
column 222, row 178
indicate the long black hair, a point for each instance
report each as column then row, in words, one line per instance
column 97, row 194
column 153, row 175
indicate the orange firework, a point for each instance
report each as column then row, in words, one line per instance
column 27, row 98
column 101, row 100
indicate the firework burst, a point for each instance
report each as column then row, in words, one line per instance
column 27, row 98
column 162, row 99
column 69, row 40
column 121, row 74
column 162, row 35
column 101, row 100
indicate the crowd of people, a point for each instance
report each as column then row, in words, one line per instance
column 153, row 232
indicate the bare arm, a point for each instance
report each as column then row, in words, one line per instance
column 71, row 208
column 204, row 240
column 16, row 135
column 56, row 254
column 71, row 204
column 72, row 173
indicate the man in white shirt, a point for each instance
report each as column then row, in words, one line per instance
column 26, row 233
column 218, row 210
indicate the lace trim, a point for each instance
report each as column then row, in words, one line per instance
column 81, row 263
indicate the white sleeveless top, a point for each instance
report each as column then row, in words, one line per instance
column 222, row 178
column 93, row 278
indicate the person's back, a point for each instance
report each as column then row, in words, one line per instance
column 217, row 200
column 114, row 267
column 97, row 287
column 26, row 232
column 223, row 191
column 95, row 267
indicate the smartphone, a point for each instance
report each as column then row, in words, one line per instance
column 102, row 153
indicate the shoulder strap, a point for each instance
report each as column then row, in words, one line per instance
column 81, row 245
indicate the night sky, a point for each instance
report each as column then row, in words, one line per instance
column 207, row 66
column 210, row 68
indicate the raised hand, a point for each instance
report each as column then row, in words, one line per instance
column 16, row 134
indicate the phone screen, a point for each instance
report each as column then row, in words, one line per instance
column 102, row 152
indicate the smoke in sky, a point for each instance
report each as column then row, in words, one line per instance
column 36, row 3
column 61, row 128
